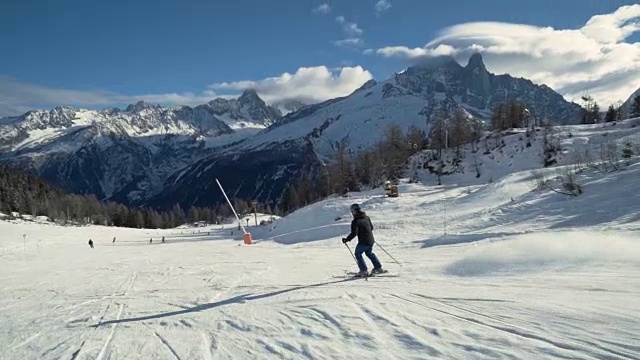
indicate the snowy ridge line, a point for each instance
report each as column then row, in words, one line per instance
column 512, row 329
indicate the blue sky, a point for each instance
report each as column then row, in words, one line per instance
column 94, row 54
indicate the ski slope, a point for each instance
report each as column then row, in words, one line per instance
column 489, row 271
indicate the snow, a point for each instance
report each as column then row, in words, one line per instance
column 364, row 111
column 42, row 129
column 494, row 269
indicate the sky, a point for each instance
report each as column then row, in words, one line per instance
column 95, row 54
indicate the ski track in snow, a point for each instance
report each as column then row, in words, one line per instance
column 499, row 284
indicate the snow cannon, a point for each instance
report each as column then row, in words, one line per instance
column 247, row 235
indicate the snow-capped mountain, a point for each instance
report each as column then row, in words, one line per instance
column 308, row 137
column 126, row 155
column 249, row 110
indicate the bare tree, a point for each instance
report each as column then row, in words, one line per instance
column 438, row 134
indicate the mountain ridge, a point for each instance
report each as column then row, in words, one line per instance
column 358, row 120
column 147, row 153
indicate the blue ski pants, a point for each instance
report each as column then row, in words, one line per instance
column 367, row 250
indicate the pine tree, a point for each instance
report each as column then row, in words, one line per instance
column 193, row 215
column 611, row 115
column 417, row 138
column 139, row 220
column 290, row 200
column 363, row 165
column 305, row 188
column 178, row 214
column 323, row 185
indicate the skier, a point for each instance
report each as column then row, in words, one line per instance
column 114, row 240
column 150, row 240
column 91, row 243
column 163, row 239
column 362, row 227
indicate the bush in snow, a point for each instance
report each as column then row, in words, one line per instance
column 563, row 183
column 627, row 151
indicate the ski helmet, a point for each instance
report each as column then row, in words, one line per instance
column 355, row 207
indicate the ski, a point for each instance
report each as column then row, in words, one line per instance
column 385, row 273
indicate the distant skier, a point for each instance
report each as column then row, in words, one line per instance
column 114, row 240
column 91, row 243
column 150, row 240
column 163, row 239
column 362, row 227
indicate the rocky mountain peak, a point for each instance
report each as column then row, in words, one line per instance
column 476, row 62
column 141, row 105
column 478, row 76
column 248, row 96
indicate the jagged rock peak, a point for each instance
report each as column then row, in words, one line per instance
column 249, row 95
column 141, row 105
column 476, row 62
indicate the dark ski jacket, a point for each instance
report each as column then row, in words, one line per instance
column 362, row 227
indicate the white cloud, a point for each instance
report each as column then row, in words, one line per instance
column 349, row 42
column 349, row 28
column 17, row 97
column 307, row 84
column 595, row 57
column 322, row 9
column 352, row 32
column 405, row 52
column 382, row 6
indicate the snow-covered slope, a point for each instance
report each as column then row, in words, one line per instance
column 491, row 270
column 496, row 156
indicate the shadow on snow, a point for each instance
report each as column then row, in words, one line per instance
column 234, row 300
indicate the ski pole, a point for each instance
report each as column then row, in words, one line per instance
column 350, row 252
column 388, row 254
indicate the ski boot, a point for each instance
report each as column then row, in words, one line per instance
column 377, row 271
column 362, row 274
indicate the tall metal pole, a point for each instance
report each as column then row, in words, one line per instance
column 231, row 206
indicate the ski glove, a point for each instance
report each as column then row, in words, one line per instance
column 344, row 240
